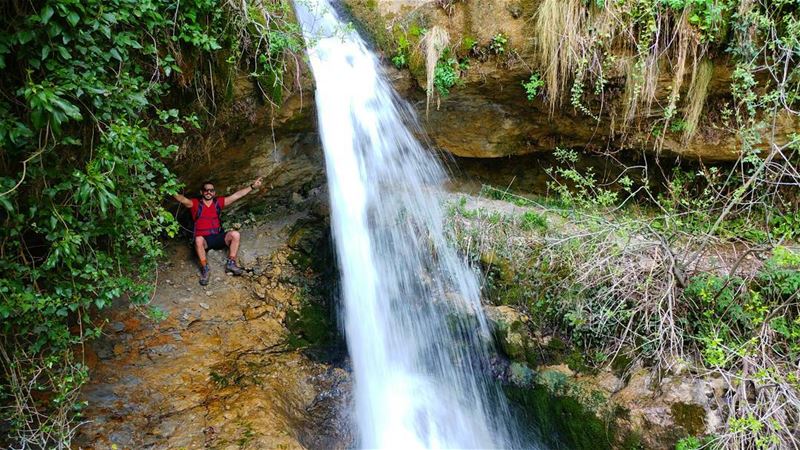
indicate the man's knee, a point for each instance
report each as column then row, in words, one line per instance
column 233, row 235
column 199, row 242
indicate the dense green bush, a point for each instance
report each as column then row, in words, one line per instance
column 85, row 134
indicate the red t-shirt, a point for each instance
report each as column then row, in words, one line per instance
column 209, row 222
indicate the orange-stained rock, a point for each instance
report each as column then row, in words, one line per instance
column 216, row 375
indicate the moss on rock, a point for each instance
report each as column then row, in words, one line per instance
column 690, row 417
column 562, row 419
column 571, row 413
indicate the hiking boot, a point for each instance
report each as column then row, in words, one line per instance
column 231, row 267
column 204, row 275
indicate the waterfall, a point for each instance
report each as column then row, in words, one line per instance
column 413, row 320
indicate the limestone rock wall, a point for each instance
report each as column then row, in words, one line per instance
column 248, row 137
column 489, row 116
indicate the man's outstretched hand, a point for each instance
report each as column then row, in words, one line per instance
column 257, row 183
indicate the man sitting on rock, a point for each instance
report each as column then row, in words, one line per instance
column 208, row 231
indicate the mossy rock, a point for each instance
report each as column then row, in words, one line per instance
column 310, row 241
column 690, row 417
column 370, row 23
column 562, row 420
column 499, row 266
column 310, row 326
column 514, row 344
column 571, row 414
column 576, row 361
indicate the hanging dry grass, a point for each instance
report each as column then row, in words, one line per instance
column 642, row 81
column 435, row 42
column 557, row 29
column 673, row 46
column 687, row 44
column 573, row 41
column 698, row 91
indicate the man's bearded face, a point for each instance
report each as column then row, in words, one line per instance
column 208, row 191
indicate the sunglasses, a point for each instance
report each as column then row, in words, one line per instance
column 209, row 190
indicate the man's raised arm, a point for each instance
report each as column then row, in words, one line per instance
column 242, row 192
column 183, row 200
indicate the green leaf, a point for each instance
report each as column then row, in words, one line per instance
column 25, row 36
column 54, row 30
column 38, row 119
column 64, row 53
column 6, row 204
column 46, row 14
column 73, row 18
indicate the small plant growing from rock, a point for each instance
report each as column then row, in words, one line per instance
column 531, row 220
column 498, row 44
column 533, row 86
column 445, row 76
column 400, row 58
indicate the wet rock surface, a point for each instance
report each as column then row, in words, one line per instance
column 602, row 408
column 220, row 371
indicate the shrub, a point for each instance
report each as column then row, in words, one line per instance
column 533, row 85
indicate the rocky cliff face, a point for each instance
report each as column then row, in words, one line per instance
column 488, row 114
column 247, row 138
column 616, row 407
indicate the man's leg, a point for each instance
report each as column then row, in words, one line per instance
column 232, row 241
column 200, row 246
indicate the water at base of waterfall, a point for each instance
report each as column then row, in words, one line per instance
column 415, row 330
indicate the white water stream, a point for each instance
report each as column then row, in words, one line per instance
column 414, row 326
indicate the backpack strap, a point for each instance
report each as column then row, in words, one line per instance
column 199, row 211
column 219, row 214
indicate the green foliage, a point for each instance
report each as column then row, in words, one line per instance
column 446, row 75
column 750, row 425
column 268, row 38
column 786, row 226
column 498, row 44
column 710, row 17
column 689, row 443
column 532, row 220
column 727, row 311
column 677, row 126
column 533, row 86
column 85, row 135
column 576, row 188
column 400, row 59
column 468, row 43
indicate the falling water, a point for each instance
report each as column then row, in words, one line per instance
column 413, row 320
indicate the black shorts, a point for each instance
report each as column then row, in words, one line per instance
column 215, row 241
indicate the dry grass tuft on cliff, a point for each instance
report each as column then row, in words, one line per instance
column 435, row 42
column 558, row 29
column 698, row 92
